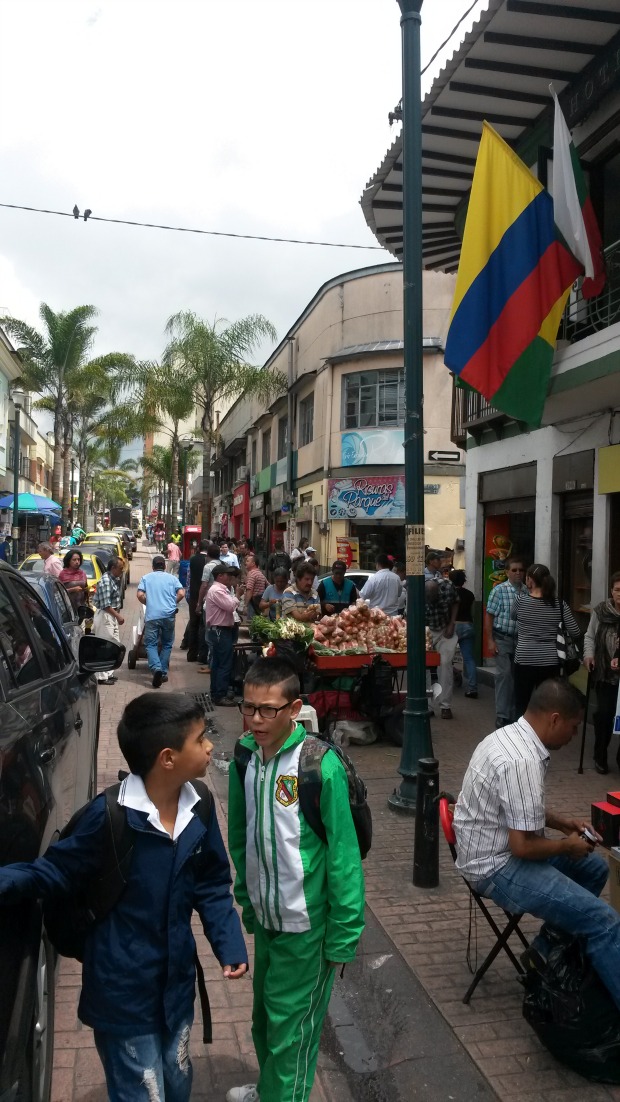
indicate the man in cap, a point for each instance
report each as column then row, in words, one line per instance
column 220, row 608
column 161, row 593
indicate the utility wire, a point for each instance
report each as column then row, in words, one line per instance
column 191, row 229
column 445, row 42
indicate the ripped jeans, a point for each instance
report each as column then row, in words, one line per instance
column 154, row 1067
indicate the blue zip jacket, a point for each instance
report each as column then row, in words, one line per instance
column 139, row 973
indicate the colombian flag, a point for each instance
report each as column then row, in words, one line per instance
column 513, row 280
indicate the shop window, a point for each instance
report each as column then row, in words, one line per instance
column 282, row 436
column 306, row 420
column 266, row 452
column 373, row 399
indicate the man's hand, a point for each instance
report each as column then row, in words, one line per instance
column 576, row 847
column 234, row 971
column 328, row 608
column 120, row 619
column 589, row 664
column 449, row 631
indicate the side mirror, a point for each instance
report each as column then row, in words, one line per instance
column 99, row 655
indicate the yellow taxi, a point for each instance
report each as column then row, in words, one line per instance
column 91, row 566
column 114, row 542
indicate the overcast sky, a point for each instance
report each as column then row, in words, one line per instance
column 249, row 116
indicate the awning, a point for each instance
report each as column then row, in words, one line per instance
column 500, row 73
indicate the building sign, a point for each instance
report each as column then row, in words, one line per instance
column 348, row 550
column 277, row 497
column 257, row 505
column 366, row 446
column 237, row 500
column 372, row 498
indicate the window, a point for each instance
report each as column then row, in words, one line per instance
column 41, row 626
column 282, row 436
column 266, row 449
column 17, row 658
column 373, row 398
column 306, row 420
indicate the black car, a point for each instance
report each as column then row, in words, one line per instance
column 49, row 726
column 129, row 536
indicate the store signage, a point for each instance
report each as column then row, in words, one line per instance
column 277, row 497
column 372, row 498
column 348, row 550
column 257, row 505
column 238, row 499
column 431, row 487
column 358, row 449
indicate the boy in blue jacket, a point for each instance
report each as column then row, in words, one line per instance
column 138, row 977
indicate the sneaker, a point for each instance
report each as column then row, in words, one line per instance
column 472, row 696
column 446, row 713
column 203, row 669
column 158, row 677
column 224, row 703
column 248, row 1093
column 601, row 768
column 164, row 677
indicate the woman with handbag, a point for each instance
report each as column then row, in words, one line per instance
column 600, row 657
column 540, row 617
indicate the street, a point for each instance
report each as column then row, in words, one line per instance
column 397, row 1027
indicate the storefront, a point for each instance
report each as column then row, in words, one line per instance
column 279, row 518
column 258, row 526
column 373, row 508
column 573, row 480
column 241, row 511
column 509, row 500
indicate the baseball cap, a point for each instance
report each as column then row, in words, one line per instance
column 309, row 549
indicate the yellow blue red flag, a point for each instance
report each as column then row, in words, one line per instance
column 514, row 276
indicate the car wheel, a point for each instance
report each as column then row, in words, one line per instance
column 131, row 659
column 37, row 1080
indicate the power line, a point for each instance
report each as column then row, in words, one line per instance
column 445, row 42
column 190, row 229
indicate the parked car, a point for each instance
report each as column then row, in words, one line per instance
column 49, row 723
column 358, row 577
column 97, row 541
column 131, row 536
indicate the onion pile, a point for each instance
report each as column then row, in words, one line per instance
column 360, row 630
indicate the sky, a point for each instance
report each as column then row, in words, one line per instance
column 233, row 115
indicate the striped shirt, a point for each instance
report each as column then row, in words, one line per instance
column 503, row 789
column 108, row 594
column 499, row 605
column 537, row 629
column 292, row 599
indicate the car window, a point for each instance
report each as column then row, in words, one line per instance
column 32, row 566
column 18, row 658
column 41, row 625
column 62, row 603
column 88, row 568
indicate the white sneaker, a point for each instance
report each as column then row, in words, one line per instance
column 248, row 1093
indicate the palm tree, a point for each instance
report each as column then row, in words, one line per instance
column 212, row 361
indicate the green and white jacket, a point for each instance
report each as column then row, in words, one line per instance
column 287, row 879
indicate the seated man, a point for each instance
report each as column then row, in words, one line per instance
column 500, row 820
column 337, row 593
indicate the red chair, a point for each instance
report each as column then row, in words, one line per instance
column 446, row 816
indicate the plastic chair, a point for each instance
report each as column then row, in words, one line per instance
column 446, row 816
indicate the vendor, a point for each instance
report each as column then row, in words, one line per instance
column 274, row 594
column 337, row 593
column 299, row 600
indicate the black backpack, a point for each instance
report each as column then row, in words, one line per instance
column 310, row 783
column 68, row 920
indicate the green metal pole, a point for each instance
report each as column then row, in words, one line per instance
column 16, row 450
column 417, row 735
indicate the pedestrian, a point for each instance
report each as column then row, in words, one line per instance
column 300, row 552
column 227, row 556
column 206, row 580
column 465, row 632
column 196, row 566
column 400, row 570
column 107, row 602
column 537, row 613
column 68, row 540
column 6, row 548
column 160, row 535
column 161, row 593
column 255, row 586
column 314, row 563
column 383, row 590
column 139, row 973
column 174, row 557
column 432, row 569
column 220, row 607
column 271, row 600
column 300, row 600
column 277, row 559
column 503, row 632
column 51, row 563
column 502, row 851
column 600, row 657
column 440, row 613
column 308, row 919
column 337, row 592
column 74, row 579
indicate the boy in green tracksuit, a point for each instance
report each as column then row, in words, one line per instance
column 303, row 899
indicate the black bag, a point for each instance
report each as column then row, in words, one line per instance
column 572, row 1012
column 568, row 650
column 371, row 694
column 310, row 783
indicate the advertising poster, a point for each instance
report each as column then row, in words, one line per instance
column 372, row 498
column 497, row 548
column 348, row 550
column 372, row 446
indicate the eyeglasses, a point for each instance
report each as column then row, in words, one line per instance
column 265, row 711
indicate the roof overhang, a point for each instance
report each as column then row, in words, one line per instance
column 501, row 73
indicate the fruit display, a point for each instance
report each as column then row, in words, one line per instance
column 360, row 630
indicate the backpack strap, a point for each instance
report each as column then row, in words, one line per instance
column 242, row 758
column 203, row 808
column 310, row 782
column 117, row 853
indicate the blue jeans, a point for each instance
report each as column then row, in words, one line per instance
column 221, row 646
column 154, row 630
column 505, row 708
column 466, row 636
column 142, row 1069
column 564, row 894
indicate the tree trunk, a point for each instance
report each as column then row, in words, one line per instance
column 66, row 472
column 174, row 484
column 160, row 501
column 206, row 484
column 57, row 468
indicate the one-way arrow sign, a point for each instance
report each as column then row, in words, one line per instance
column 444, row 457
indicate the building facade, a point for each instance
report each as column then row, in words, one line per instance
column 325, row 460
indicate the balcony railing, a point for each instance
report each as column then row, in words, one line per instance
column 582, row 316
column 471, row 413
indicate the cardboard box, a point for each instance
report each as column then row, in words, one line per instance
column 606, row 822
column 614, row 878
column 613, row 798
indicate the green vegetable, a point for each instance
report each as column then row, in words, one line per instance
column 272, row 631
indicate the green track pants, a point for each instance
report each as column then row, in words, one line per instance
column 292, row 986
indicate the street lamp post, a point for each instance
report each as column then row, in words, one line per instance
column 416, row 736
column 187, row 443
column 17, row 395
